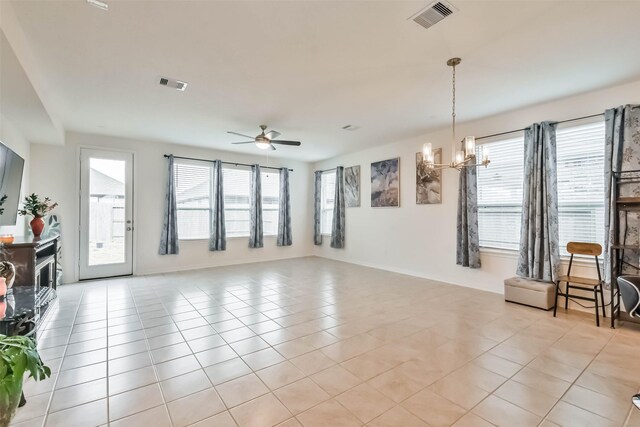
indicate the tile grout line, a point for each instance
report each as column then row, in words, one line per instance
column 574, row 381
column 543, row 418
column 55, row 383
column 153, row 365
column 349, row 319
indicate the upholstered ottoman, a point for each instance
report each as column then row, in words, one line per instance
column 534, row 293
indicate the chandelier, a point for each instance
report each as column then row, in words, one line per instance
column 463, row 153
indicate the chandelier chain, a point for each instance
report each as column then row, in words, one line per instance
column 453, row 110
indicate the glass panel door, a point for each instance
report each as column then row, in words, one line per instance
column 106, row 222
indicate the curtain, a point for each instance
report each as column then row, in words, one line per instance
column 337, row 228
column 468, row 246
column 284, row 210
column 317, row 206
column 218, row 239
column 622, row 152
column 255, row 208
column 169, row 236
column 539, row 255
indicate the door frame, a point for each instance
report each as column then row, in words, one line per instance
column 78, row 207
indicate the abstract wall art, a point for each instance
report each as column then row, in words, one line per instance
column 385, row 183
column 352, row 186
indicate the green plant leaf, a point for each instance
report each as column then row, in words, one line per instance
column 19, row 354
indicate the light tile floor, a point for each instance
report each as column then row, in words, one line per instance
column 315, row 342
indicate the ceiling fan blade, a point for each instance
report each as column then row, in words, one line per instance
column 272, row 134
column 282, row 142
column 245, row 142
column 272, row 147
column 240, row 134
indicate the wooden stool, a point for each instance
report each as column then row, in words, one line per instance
column 586, row 284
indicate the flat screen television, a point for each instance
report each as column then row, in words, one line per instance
column 11, row 166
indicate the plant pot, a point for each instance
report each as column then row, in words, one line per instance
column 37, row 226
column 9, row 400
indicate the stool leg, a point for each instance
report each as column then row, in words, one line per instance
column 566, row 296
column 555, row 306
column 604, row 310
column 595, row 298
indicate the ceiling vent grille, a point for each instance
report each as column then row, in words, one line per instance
column 172, row 83
column 432, row 14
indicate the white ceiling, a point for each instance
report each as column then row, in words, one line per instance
column 307, row 68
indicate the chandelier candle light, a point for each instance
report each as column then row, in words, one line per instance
column 463, row 155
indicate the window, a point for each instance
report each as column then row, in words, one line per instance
column 194, row 193
column 580, row 157
column 328, row 192
column 580, row 151
column 500, row 194
column 193, row 199
column 236, row 188
column 270, row 202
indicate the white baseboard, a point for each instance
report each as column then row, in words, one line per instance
column 412, row 273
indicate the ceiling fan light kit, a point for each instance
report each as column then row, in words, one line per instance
column 265, row 141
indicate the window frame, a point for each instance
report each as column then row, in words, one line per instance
column 189, row 162
column 210, row 209
column 323, row 199
column 507, row 252
column 277, row 205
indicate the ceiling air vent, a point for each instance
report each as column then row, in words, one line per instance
column 173, row 83
column 432, row 14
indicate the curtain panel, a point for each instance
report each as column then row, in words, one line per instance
column 284, row 210
column 218, row 239
column 169, row 236
column 337, row 228
column 255, row 209
column 539, row 254
column 317, row 206
column 622, row 153
column 468, row 244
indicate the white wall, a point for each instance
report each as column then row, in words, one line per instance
column 421, row 239
column 12, row 138
column 55, row 172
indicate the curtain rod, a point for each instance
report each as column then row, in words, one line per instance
column 224, row 163
column 327, row 170
column 523, row 129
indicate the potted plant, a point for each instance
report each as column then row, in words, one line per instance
column 18, row 355
column 38, row 209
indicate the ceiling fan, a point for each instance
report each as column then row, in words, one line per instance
column 266, row 140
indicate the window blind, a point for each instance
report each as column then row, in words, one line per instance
column 194, row 193
column 270, row 202
column 328, row 192
column 236, row 186
column 580, row 151
column 500, row 194
column 193, row 199
column 580, row 157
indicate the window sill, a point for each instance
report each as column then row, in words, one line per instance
column 199, row 239
column 578, row 260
